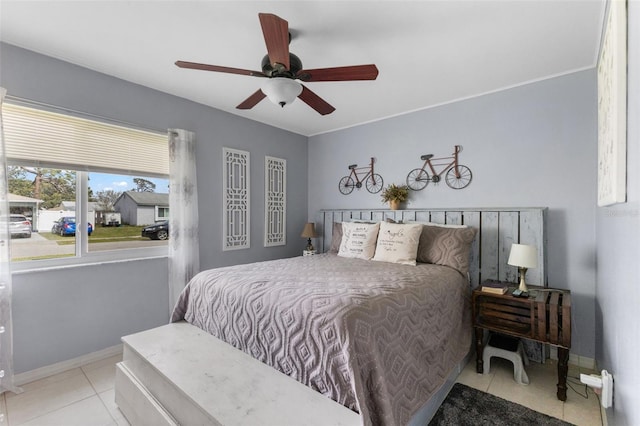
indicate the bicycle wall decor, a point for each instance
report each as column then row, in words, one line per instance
column 359, row 175
column 457, row 176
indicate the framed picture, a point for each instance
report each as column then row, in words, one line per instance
column 612, row 107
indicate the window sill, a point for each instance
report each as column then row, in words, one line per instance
column 95, row 258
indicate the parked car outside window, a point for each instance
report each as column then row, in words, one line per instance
column 158, row 231
column 67, row 226
column 19, row 226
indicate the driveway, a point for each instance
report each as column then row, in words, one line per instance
column 37, row 245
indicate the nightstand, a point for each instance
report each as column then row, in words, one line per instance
column 308, row 252
column 544, row 316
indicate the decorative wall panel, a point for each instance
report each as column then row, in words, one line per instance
column 236, row 210
column 275, row 201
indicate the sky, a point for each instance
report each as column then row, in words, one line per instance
column 120, row 183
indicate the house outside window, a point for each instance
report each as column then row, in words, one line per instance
column 76, row 170
column 143, row 208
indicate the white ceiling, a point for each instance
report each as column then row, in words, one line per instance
column 428, row 52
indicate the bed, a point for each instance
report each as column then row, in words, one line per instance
column 377, row 337
column 382, row 338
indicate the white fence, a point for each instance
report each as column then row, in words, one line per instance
column 47, row 217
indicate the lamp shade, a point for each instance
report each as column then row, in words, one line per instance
column 281, row 90
column 523, row 256
column 309, row 231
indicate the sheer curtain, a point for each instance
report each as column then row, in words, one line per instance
column 184, row 256
column 6, row 333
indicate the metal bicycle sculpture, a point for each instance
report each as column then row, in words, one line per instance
column 373, row 181
column 457, row 175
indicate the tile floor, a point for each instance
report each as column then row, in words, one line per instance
column 81, row 396
column 85, row 396
column 540, row 393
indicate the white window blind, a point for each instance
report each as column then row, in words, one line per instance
column 42, row 138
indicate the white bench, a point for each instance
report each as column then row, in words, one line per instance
column 178, row 374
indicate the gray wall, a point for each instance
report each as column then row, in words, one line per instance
column 54, row 306
column 144, row 215
column 618, row 254
column 62, row 314
column 533, row 145
column 128, row 210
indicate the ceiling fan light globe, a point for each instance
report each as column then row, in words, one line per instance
column 281, row 90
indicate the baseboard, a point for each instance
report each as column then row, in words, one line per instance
column 582, row 362
column 577, row 360
column 60, row 367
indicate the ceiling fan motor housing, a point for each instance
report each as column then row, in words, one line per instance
column 278, row 70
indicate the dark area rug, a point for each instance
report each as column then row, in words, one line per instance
column 467, row 406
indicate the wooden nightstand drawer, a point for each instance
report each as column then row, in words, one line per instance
column 545, row 317
column 504, row 314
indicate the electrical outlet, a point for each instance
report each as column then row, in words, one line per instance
column 604, row 382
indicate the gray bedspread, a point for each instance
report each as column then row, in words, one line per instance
column 377, row 337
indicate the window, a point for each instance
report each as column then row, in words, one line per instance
column 162, row 213
column 66, row 170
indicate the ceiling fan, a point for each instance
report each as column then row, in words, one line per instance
column 282, row 68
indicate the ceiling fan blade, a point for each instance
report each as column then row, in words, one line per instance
column 252, row 100
column 315, row 101
column 276, row 37
column 217, row 68
column 349, row 73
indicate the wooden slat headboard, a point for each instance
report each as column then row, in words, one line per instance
column 497, row 228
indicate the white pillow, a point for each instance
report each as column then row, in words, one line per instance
column 358, row 240
column 398, row 243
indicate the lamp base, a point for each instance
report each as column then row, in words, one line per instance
column 523, row 284
column 309, row 245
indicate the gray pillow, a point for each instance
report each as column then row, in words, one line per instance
column 446, row 246
column 336, row 237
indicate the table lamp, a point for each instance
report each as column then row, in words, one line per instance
column 309, row 232
column 523, row 256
